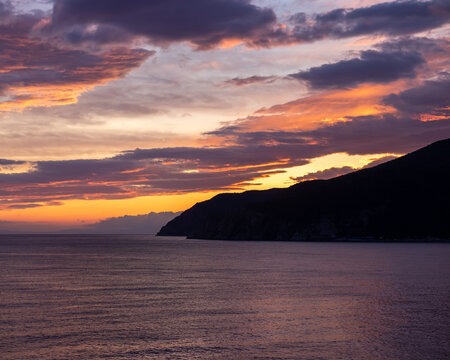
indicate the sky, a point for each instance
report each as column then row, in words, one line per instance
column 111, row 108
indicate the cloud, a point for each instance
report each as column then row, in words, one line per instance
column 5, row 10
column 430, row 99
column 376, row 134
column 360, row 135
column 31, row 205
column 251, row 80
column 321, row 107
column 39, row 72
column 253, row 156
column 339, row 171
column 371, row 67
column 423, row 45
column 359, row 86
column 23, row 206
column 140, row 224
column 141, row 172
column 389, row 61
column 207, row 157
column 208, row 23
column 39, row 68
column 390, row 18
column 23, row 227
column 325, row 174
column 205, row 23
column 11, row 162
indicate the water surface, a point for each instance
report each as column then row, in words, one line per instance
column 142, row 297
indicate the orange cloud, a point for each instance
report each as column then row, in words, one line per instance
column 316, row 110
column 37, row 73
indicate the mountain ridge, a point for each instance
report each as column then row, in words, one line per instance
column 405, row 198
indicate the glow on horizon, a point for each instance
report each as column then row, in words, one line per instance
column 80, row 212
column 318, row 164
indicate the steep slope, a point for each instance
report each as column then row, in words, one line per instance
column 406, row 198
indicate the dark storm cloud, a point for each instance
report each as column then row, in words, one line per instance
column 371, row 67
column 389, row 18
column 203, row 22
column 433, row 98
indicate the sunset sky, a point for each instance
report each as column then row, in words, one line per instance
column 112, row 107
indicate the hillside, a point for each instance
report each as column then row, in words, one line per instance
column 404, row 199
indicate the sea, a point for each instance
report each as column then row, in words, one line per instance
column 146, row 297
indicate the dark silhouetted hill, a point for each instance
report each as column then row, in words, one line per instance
column 404, row 199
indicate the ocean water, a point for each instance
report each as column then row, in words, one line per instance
column 143, row 297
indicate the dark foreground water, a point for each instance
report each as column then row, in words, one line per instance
column 141, row 297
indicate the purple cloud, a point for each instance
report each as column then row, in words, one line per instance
column 432, row 97
column 23, row 206
column 206, row 23
column 389, row 18
column 251, row 80
column 203, row 22
column 371, row 67
column 30, row 63
column 189, row 169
